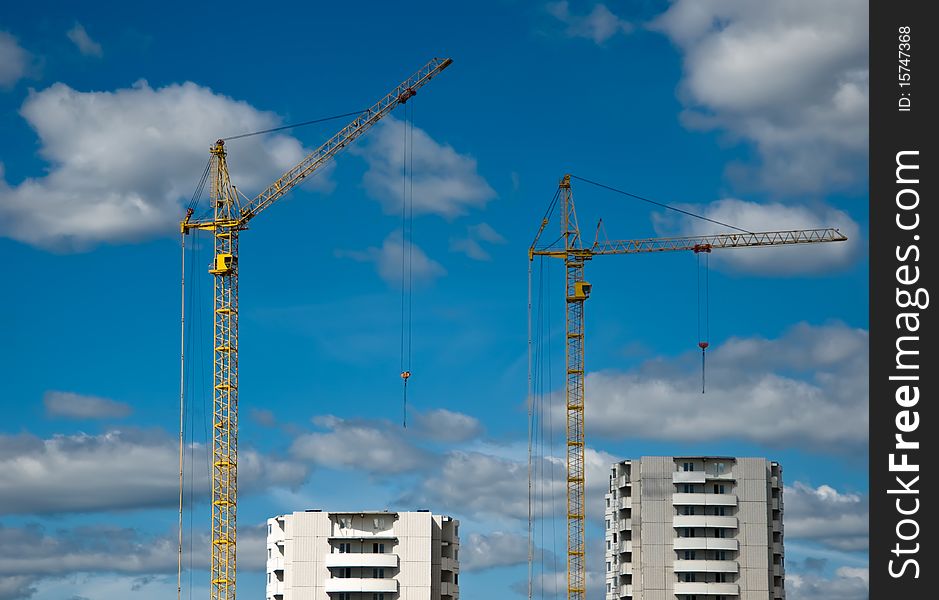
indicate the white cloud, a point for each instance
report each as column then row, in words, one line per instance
column 599, row 25
column 848, row 583
column 471, row 245
column 790, row 260
column 115, row 470
column 83, row 41
column 808, row 387
column 387, row 260
column 13, row 60
column 826, row 516
column 120, row 162
column 788, row 75
column 447, row 426
column 69, row 405
column 375, row 447
column 498, row 549
column 445, row 182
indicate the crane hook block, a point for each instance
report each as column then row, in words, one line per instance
column 581, row 291
column 703, row 346
column 224, row 263
column 405, row 375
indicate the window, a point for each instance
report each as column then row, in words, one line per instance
column 718, row 488
column 687, row 488
column 344, row 573
column 268, row 529
column 687, row 466
column 719, row 468
column 614, row 537
column 608, row 566
column 608, row 546
column 608, row 590
column 689, row 532
column 379, row 596
column 345, row 596
column 378, row 573
column 719, row 511
column 268, row 552
column 456, row 554
column 607, row 523
column 345, row 547
column 687, row 510
column 720, row 555
column 720, row 577
column 719, row 533
column 689, row 554
column 608, row 503
column 456, row 579
column 378, row 548
column 268, row 577
column 687, row 577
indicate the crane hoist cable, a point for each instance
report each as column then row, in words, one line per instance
column 407, row 248
column 704, row 292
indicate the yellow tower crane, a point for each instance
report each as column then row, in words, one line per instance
column 575, row 256
column 228, row 218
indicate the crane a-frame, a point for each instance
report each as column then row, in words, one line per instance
column 229, row 216
column 577, row 290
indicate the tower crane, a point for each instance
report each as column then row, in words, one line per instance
column 575, row 255
column 229, row 217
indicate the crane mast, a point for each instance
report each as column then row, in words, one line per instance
column 577, row 290
column 228, row 218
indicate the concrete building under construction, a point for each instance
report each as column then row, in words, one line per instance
column 695, row 528
column 364, row 555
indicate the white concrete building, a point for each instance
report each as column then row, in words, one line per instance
column 695, row 528
column 363, row 555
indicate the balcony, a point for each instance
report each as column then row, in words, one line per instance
column 694, row 588
column 626, row 568
column 626, row 502
column 626, row 546
column 448, row 588
column 777, row 525
column 275, row 588
column 625, row 524
column 626, row 590
column 275, row 563
column 704, row 521
column 357, row 584
column 621, row 481
column 706, row 566
column 704, row 543
column 360, row 559
column 448, row 564
column 704, row 500
column 689, row 477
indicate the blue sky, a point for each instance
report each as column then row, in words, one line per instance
column 755, row 115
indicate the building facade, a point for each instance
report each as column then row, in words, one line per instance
column 695, row 528
column 366, row 555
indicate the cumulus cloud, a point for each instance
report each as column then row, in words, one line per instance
column 83, row 41
column 69, row 405
column 387, row 260
column 827, row 516
column 447, row 426
column 599, row 25
column 490, row 485
column 445, row 182
column 848, row 583
column 31, row 552
column 789, row 76
column 14, row 60
column 471, row 244
column 376, row 447
column 751, row 216
column 121, row 161
column 115, row 470
column 498, row 549
column 807, row 387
